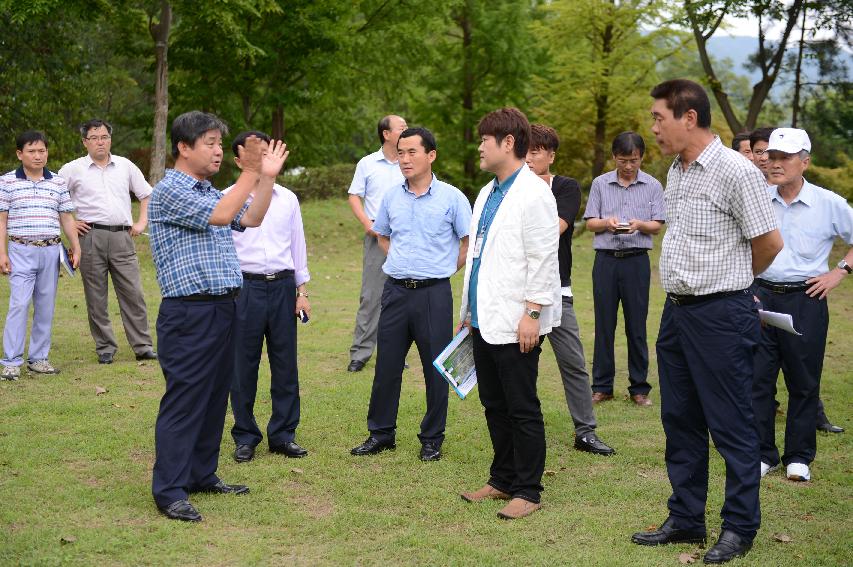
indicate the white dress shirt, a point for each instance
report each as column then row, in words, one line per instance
column 373, row 176
column 102, row 194
column 279, row 243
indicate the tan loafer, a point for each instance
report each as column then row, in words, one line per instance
column 488, row 492
column 641, row 400
column 598, row 397
column 518, row 508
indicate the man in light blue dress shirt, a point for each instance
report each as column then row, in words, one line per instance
column 422, row 225
column 797, row 283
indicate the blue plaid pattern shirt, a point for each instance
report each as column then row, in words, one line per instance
column 190, row 255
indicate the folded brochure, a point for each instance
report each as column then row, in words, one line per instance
column 456, row 363
column 65, row 261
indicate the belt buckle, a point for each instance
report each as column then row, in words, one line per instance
column 674, row 299
column 410, row 284
column 618, row 254
column 269, row 277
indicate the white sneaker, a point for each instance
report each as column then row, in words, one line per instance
column 41, row 367
column 799, row 472
column 767, row 469
column 10, row 373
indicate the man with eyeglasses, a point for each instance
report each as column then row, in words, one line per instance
column 100, row 184
column 797, row 282
column 625, row 209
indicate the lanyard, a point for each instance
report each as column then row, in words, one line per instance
column 487, row 220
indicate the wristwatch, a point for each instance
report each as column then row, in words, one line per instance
column 302, row 294
column 533, row 313
column 845, row 266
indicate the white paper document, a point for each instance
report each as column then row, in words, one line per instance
column 782, row 321
column 456, row 364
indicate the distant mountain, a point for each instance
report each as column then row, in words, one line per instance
column 739, row 48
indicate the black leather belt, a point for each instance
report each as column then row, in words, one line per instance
column 230, row 294
column 415, row 284
column 681, row 300
column 782, row 287
column 268, row 277
column 111, row 228
column 626, row 253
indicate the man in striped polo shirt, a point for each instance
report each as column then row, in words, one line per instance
column 625, row 208
column 33, row 204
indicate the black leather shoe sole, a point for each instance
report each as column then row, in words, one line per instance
column 652, row 539
column 181, row 510
column 222, row 488
column 829, row 428
column 150, row 355
column 361, row 452
column 726, row 555
column 604, row 450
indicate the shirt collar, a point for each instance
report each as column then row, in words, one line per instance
column 380, row 156
column 20, row 174
column 504, row 187
column 180, row 178
column 805, row 196
column 432, row 183
column 708, row 155
column 613, row 177
column 87, row 159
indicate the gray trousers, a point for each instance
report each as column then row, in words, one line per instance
column 107, row 255
column 367, row 318
column 566, row 342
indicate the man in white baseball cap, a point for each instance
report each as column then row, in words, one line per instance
column 797, row 282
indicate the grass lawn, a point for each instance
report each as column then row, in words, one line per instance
column 75, row 466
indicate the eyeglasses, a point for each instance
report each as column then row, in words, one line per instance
column 759, row 153
column 97, row 138
column 621, row 162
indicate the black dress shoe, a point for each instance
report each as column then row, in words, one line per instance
column 244, row 453
column 107, row 358
column 430, row 452
column 355, row 366
column 289, row 449
column 829, row 428
column 592, row 444
column 181, row 510
column 372, row 446
column 729, row 546
column 147, row 355
column 222, row 488
column 668, row 533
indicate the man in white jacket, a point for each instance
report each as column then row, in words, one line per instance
column 510, row 300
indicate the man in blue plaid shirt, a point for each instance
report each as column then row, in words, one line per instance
column 199, row 278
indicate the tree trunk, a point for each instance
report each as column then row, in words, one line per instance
column 160, row 35
column 470, row 170
column 277, row 123
column 797, row 75
column 602, row 99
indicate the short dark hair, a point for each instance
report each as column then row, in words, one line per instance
column 760, row 135
column 384, row 124
column 507, row 122
column 682, row 95
column 240, row 140
column 427, row 139
column 742, row 137
column 625, row 143
column 30, row 137
column 190, row 126
column 92, row 124
column 543, row 137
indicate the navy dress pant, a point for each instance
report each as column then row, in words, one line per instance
column 706, row 355
column 625, row 281
column 194, row 348
column 801, row 360
column 423, row 316
column 265, row 310
column 506, row 378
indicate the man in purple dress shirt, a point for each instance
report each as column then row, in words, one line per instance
column 625, row 208
column 274, row 263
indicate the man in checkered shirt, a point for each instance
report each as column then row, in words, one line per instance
column 722, row 231
column 199, row 277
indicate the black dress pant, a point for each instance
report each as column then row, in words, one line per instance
column 706, row 353
column 625, row 281
column 265, row 310
column 801, row 360
column 506, row 378
column 425, row 316
column 194, row 348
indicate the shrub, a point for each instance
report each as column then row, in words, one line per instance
column 324, row 182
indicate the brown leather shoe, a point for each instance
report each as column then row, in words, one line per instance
column 598, row 397
column 641, row 400
column 488, row 492
column 518, row 508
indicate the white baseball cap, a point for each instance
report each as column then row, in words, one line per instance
column 789, row 140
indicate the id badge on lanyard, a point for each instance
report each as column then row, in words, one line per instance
column 478, row 245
